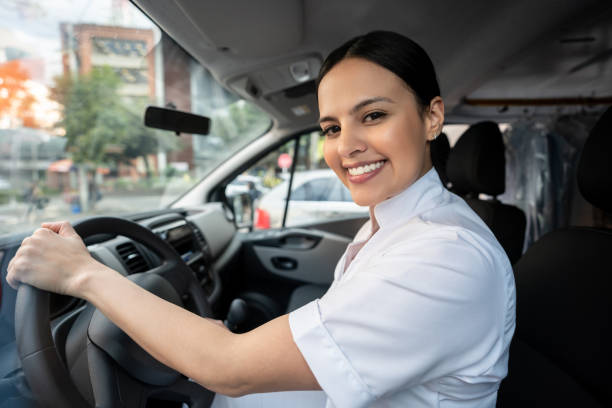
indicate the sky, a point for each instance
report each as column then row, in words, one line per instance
column 33, row 25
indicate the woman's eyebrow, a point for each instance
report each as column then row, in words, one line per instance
column 369, row 101
column 359, row 106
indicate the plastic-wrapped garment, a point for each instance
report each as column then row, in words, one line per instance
column 528, row 181
column 541, row 159
column 574, row 130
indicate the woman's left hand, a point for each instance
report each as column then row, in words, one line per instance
column 53, row 258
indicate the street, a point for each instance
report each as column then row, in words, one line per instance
column 14, row 217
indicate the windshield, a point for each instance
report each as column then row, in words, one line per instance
column 75, row 78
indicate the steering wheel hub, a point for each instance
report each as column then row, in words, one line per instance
column 122, row 349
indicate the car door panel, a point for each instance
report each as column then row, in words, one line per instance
column 305, row 255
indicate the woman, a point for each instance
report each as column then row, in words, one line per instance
column 421, row 310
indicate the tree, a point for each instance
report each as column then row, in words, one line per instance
column 238, row 119
column 15, row 97
column 138, row 140
column 100, row 126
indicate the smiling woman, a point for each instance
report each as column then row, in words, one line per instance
column 422, row 264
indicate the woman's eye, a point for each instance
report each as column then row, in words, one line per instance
column 373, row 116
column 330, row 130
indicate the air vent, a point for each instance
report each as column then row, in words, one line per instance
column 132, row 259
column 201, row 240
column 198, row 234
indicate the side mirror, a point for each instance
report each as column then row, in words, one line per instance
column 244, row 212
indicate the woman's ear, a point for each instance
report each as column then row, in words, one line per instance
column 435, row 118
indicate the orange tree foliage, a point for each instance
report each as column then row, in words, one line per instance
column 15, row 99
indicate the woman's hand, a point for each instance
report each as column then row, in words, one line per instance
column 53, row 258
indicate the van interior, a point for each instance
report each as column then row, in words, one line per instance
column 527, row 142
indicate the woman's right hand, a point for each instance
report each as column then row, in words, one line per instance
column 54, row 258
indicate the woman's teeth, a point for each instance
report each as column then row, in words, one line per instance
column 358, row 171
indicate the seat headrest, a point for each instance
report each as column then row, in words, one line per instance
column 595, row 166
column 477, row 163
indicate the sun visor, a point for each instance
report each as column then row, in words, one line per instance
column 259, row 28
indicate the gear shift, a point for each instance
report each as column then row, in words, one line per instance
column 237, row 314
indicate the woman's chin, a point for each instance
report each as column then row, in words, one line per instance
column 364, row 200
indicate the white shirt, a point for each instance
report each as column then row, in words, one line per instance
column 422, row 316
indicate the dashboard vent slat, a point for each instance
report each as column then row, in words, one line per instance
column 201, row 239
column 132, row 259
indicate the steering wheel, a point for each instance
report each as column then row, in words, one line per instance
column 100, row 365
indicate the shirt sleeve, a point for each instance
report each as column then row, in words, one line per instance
column 415, row 313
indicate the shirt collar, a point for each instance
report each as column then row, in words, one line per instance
column 422, row 195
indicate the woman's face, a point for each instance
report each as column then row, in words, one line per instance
column 375, row 135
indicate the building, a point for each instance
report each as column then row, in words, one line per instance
column 125, row 50
column 141, row 63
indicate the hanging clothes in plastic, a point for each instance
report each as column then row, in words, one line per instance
column 541, row 159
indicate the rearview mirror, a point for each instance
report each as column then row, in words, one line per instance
column 176, row 121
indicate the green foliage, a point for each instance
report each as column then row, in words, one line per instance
column 100, row 125
column 270, row 180
column 5, row 196
column 170, row 172
column 238, row 121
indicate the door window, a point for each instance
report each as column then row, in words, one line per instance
column 314, row 190
column 317, row 195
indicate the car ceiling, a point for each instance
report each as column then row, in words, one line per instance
column 494, row 59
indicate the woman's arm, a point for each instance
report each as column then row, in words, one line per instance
column 265, row 359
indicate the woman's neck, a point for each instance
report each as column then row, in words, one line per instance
column 375, row 225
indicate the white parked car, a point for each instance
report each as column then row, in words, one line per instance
column 241, row 185
column 308, row 190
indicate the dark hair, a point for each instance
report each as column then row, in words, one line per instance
column 399, row 54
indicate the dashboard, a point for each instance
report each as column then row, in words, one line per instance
column 198, row 235
column 204, row 237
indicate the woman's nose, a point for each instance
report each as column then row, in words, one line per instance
column 351, row 142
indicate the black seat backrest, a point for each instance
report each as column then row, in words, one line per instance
column 507, row 222
column 563, row 287
column 562, row 349
column 477, row 164
column 439, row 150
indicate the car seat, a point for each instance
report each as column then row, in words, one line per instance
column 439, row 150
column 477, row 165
column 561, row 352
column 305, row 294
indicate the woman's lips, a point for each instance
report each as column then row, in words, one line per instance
column 366, row 172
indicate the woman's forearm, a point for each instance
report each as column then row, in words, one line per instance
column 178, row 338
